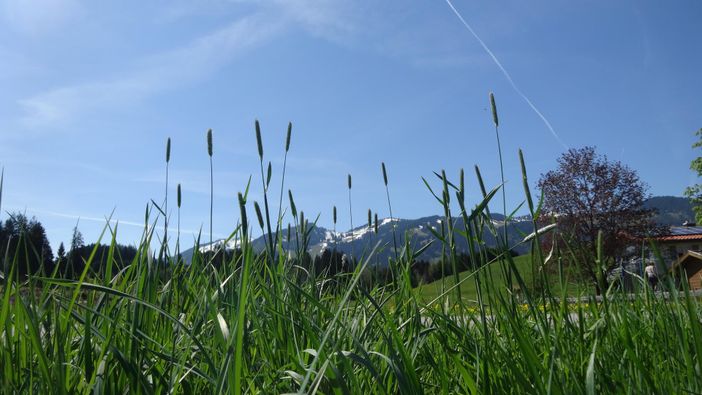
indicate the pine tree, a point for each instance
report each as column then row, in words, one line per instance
column 61, row 253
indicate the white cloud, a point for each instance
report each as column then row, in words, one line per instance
column 161, row 72
column 332, row 19
column 346, row 22
column 38, row 17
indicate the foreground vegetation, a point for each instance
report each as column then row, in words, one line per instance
column 261, row 326
column 264, row 322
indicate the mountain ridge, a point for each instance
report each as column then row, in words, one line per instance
column 669, row 210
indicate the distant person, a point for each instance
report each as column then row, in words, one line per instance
column 651, row 276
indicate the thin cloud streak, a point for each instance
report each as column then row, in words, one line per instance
column 507, row 75
column 111, row 221
column 158, row 73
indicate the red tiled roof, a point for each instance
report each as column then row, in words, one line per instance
column 679, row 237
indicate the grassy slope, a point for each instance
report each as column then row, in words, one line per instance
column 431, row 291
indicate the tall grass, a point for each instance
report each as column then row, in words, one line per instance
column 249, row 325
column 348, row 184
column 165, row 204
column 387, row 195
column 282, row 182
column 209, row 153
column 179, row 201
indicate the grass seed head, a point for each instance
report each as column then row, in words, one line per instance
column 376, row 223
column 293, row 209
column 270, row 173
column 287, row 140
column 334, row 215
column 349, row 181
column 242, row 209
column 370, row 222
column 494, row 109
column 259, row 142
column 303, row 225
column 258, row 214
column 385, row 174
column 179, row 196
column 209, row 142
column 168, row 150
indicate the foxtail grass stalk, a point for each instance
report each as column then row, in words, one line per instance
column 179, row 200
column 257, row 208
column 370, row 229
column 244, row 220
column 532, row 211
column 376, row 233
column 265, row 181
column 334, row 228
column 282, row 181
column 243, row 297
column 449, row 227
column 293, row 210
column 387, row 194
column 350, row 213
column 496, row 121
column 165, row 204
column 479, row 226
column 209, row 152
column 505, row 241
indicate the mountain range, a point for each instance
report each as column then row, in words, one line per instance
column 669, row 210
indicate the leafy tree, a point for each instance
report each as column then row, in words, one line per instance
column 694, row 193
column 588, row 194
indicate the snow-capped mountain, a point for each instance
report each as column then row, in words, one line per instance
column 415, row 232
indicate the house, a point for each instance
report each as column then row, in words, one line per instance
column 689, row 265
column 681, row 248
column 679, row 240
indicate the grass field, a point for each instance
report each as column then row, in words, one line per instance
column 493, row 272
column 264, row 323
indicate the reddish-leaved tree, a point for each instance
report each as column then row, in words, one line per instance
column 587, row 194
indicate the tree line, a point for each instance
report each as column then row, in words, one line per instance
column 24, row 246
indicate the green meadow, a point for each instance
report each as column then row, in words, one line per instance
column 265, row 321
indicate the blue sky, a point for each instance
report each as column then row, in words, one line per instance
column 91, row 90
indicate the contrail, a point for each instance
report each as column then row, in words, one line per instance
column 506, row 74
column 112, row 221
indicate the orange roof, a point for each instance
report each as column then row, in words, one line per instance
column 679, row 237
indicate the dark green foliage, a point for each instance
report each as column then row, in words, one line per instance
column 74, row 263
column 23, row 240
column 694, row 192
column 60, row 253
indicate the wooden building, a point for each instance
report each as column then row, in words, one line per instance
column 681, row 249
column 689, row 266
